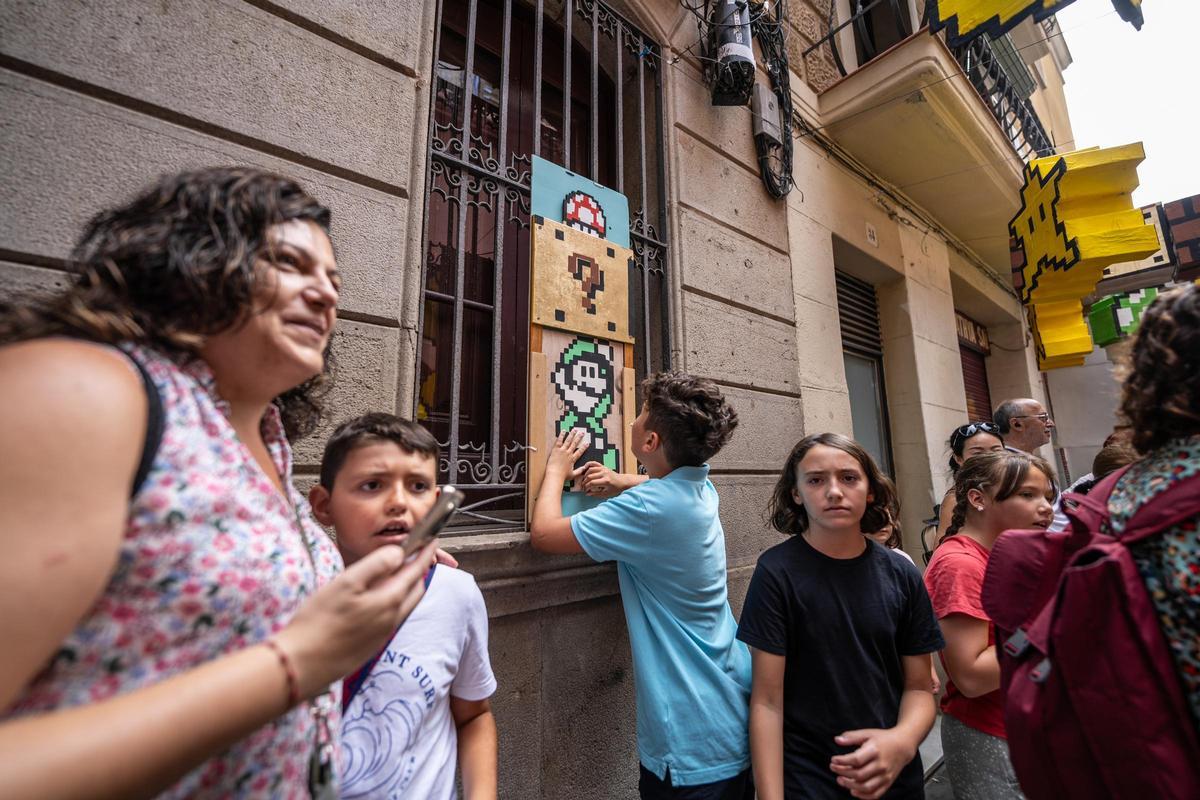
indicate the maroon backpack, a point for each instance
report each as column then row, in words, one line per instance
column 1094, row 707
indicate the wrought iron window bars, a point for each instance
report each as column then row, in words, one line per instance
column 577, row 83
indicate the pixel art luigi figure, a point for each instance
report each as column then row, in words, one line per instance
column 584, row 381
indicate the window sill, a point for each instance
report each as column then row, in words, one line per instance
column 516, row 579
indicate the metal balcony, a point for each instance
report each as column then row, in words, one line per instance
column 879, row 26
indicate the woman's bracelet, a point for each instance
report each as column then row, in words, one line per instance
column 293, row 685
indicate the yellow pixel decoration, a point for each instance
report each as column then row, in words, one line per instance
column 1076, row 218
column 963, row 20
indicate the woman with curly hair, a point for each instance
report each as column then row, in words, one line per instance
column 1161, row 405
column 170, row 611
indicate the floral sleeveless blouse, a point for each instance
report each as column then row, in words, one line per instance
column 211, row 562
column 1169, row 563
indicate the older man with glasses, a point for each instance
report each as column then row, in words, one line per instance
column 1025, row 426
column 1023, row 423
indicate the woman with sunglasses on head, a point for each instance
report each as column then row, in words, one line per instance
column 994, row 491
column 174, row 620
column 965, row 441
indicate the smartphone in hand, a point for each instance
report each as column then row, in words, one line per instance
column 449, row 501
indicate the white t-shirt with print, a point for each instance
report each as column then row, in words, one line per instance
column 398, row 736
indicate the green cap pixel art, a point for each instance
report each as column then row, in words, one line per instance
column 1117, row 316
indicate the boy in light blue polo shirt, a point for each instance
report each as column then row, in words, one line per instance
column 692, row 674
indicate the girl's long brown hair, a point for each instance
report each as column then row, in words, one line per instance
column 173, row 266
column 788, row 516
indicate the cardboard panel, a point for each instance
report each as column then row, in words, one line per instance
column 579, row 383
column 554, row 192
column 586, row 378
column 580, row 283
column 539, row 445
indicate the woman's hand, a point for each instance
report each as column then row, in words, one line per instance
column 350, row 618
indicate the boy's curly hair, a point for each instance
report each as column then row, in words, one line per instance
column 1161, row 397
column 690, row 415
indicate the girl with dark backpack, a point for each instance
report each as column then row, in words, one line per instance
column 1100, row 624
column 995, row 492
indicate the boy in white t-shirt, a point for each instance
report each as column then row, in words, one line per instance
column 422, row 703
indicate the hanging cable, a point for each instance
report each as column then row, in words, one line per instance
column 774, row 151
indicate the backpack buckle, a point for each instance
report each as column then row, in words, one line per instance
column 1041, row 671
column 1017, row 644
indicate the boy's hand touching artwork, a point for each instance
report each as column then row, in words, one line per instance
column 600, row 481
column 550, row 531
column 568, row 448
column 870, row 770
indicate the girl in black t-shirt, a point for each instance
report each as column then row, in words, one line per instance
column 840, row 631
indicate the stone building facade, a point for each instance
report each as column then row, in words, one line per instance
column 904, row 181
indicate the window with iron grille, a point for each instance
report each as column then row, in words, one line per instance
column 576, row 83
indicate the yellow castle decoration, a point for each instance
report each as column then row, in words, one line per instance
column 1076, row 218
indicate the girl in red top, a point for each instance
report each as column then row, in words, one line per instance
column 994, row 493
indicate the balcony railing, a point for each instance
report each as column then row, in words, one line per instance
column 979, row 62
column 1014, row 113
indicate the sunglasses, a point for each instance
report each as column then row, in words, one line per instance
column 964, row 432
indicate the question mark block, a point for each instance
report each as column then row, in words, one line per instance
column 580, row 283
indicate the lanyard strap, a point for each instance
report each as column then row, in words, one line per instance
column 354, row 682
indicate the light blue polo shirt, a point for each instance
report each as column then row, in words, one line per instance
column 692, row 674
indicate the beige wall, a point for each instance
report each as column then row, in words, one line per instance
column 101, row 98
column 1086, row 399
column 1050, row 102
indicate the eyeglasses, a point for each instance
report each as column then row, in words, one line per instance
column 1043, row 417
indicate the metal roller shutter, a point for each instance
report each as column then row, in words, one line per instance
column 979, row 398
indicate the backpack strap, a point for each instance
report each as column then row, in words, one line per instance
column 1087, row 512
column 1164, row 510
column 154, row 427
column 1178, row 502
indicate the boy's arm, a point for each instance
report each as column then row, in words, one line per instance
column 600, row 481
column 476, row 747
column 766, row 723
column 550, row 531
column 870, row 770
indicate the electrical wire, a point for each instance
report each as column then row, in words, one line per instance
column 775, row 159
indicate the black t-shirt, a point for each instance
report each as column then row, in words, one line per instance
column 842, row 625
